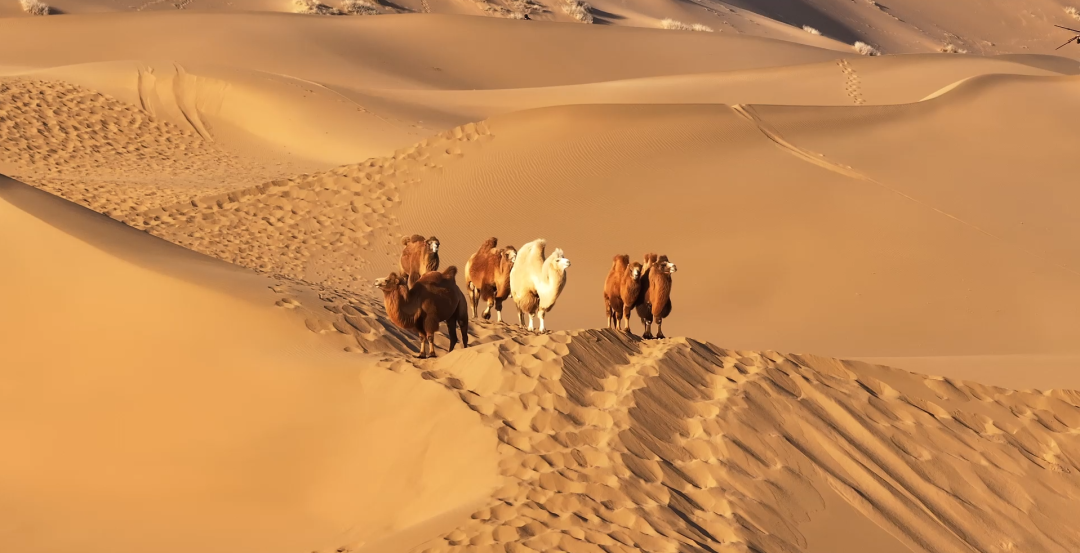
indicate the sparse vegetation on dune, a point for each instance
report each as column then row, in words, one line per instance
column 865, row 49
column 35, row 7
column 680, row 26
column 950, row 48
column 579, row 10
column 347, row 7
column 1073, row 12
column 811, row 30
column 359, row 7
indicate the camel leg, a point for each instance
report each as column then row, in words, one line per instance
column 521, row 318
column 423, row 346
column 463, row 326
column 540, row 315
column 530, row 322
column 626, row 314
column 498, row 310
column 431, row 327
column 648, row 329
column 487, row 312
column 474, row 295
column 451, row 332
column 660, row 328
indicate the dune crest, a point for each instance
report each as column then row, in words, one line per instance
column 619, row 445
column 149, row 391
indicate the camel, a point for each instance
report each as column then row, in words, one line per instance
column 419, row 255
column 656, row 304
column 622, row 290
column 488, row 274
column 631, row 302
column 535, row 283
column 433, row 298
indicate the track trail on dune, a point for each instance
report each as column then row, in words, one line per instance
column 111, row 156
column 852, row 85
column 770, row 132
column 609, row 444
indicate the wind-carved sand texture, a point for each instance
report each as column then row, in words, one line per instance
column 310, row 227
column 616, row 445
column 106, row 154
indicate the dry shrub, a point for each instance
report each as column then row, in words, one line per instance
column 35, row 7
column 950, row 48
column 1073, row 12
column 579, row 10
column 811, row 30
column 313, row 7
column 865, row 49
column 680, row 26
column 348, row 7
column 359, row 7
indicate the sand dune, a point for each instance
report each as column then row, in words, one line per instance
column 243, row 389
column 616, row 445
column 800, row 232
column 961, row 27
column 151, row 392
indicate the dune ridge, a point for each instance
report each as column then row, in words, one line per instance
column 149, row 391
column 671, row 446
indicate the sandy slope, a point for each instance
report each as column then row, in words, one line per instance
column 151, row 392
column 911, row 26
column 604, row 443
column 796, row 260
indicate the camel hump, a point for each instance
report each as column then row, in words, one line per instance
column 450, row 272
column 620, row 261
column 489, row 244
column 405, row 240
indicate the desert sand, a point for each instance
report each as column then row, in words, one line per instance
column 874, row 340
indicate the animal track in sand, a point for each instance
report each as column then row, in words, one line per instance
column 322, row 228
column 610, row 444
column 108, row 155
column 852, row 86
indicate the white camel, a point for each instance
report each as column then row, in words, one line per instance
column 535, row 283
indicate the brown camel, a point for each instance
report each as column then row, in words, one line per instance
column 643, row 288
column 419, row 255
column 621, row 290
column 488, row 274
column 433, row 298
column 657, row 296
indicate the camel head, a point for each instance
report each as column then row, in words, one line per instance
column 388, row 283
column 433, row 244
column 635, row 270
column 510, row 255
column 664, row 265
column 561, row 261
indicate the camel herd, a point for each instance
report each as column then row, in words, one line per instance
column 421, row 297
